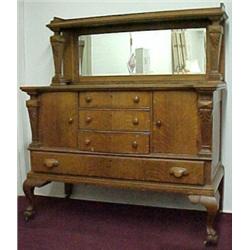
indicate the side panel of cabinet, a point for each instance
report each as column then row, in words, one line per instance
column 58, row 119
column 176, row 127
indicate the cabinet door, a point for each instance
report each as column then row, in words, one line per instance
column 58, row 119
column 176, row 123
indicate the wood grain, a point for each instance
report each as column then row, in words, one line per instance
column 114, row 142
column 115, row 99
column 114, row 120
column 55, row 113
column 179, row 131
column 120, row 168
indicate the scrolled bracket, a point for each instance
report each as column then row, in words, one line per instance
column 33, row 105
column 205, row 111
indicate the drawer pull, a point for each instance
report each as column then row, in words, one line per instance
column 88, row 99
column 136, row 99
column 178, row 172
column 88, row 119
column 70, row 121
column 51, row 163
column 135, row 144
column 87, row 142
column 158, row 123
column 136, row 121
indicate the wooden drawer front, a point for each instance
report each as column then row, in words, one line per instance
column 119, row 167
column 114, row 120
column 115, row 99
column 113, row 142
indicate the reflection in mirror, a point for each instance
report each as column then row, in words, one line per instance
column 181, row 51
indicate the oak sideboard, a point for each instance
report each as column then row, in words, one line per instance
column 128, row 123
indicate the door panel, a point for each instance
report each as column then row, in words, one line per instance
column 176, row 124
column 58, row 119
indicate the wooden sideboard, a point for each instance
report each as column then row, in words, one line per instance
column 146, row 132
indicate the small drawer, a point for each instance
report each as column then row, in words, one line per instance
column 114, row 142
column 114, row 120
column 139, row 169
column 114, row 99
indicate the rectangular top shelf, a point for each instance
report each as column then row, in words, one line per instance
column 208, row 14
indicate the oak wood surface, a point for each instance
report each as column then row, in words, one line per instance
column 161, row 16
column 179, row 130
column 187, row 189
column 114, row 120
column 133, row 85
column 115, row 99
column 151, row 155
column 146, row 132
column 114, row 142
column 120, row 168
column 59, row 119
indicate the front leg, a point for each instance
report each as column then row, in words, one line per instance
column 28, row 188
column 212, row 205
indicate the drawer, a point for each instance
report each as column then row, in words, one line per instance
column 114, row 120
column 114, row 142
column 141, row 169
column 109, row 99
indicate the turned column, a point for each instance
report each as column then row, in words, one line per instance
column 211, row 203
column 33, row 105
column 28, row 188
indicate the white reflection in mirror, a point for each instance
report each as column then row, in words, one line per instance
column 143, row 52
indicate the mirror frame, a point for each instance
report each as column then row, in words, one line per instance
column 64, row 43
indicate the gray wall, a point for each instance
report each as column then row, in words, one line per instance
column 35, row 67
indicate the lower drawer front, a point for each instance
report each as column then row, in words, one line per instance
column 114, row 142
column 173, row 171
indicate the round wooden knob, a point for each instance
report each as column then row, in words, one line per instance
column 158, row 123
column 178, row 172
column 88, row 99
column 135, row 121
column 136, row 99
column 70, row 120
column 51, row 163
column 135, row 144
column 87, row 142
column 88, row 119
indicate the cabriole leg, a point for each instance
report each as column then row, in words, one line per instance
column 212, row 205
column 28, row 188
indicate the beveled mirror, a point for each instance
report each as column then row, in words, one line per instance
column 155, row 52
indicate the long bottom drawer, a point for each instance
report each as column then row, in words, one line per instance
column 145, row 169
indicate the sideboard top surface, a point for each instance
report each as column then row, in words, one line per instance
column 170, row 86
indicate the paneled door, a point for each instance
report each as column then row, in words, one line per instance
column 58, row 119
column 176, row 128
